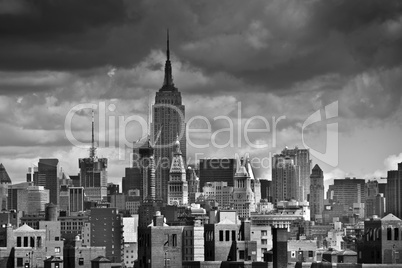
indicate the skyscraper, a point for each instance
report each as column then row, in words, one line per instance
column 394, row 191
column 177, row 185
column 48, row 176
column 214, row 169
column 93, row 174
column 168, row 121
column 348, row 191
column 301, row 158
column 284, row 178
column 316, row 192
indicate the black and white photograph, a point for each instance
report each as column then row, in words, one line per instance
column 200, row 134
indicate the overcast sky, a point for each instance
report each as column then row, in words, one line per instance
column 276, row 58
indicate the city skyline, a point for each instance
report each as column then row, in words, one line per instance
column 277, row 59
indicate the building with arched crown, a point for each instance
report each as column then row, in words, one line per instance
column 177, row 185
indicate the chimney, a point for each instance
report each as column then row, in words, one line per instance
column 158, row 219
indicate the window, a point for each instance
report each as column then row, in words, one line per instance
column 19, row 241
column 241, row 254
column 25, row 241
column 81, row 261
column 227, row 235
column 396, row 234
column 174, row 240
column 389, row 233
column 57, row 250
column 220, row 235
column 233, row 235
column 263, row 241
column 166, row 241
column 263, row 233
column 32, row 242
column 20, row 262
column 310, row 254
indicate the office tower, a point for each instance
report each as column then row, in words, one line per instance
column 266, row 190
column 284, row 178
column 132, row 180
column 168, row 122
column 220, row 192
column 193, row 185
column 243, row 195
column 394, row 192
column 48, row 176
column 37, row 199
column 217, row 170
column 177, row 185
column 76, row 199
column 75, row 180
column 371, row 191
column 316, row 192
column 17, row 198
column 32, row 175
column 93, row 173
column 64, row 200
column 112, row 188
column 150, row 204
column 106, row 230
column 301, row 158
column 348, row 191
column 4, row 182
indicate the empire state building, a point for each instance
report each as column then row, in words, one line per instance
column 168, row 123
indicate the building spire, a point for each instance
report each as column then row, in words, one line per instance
column 93, row 149
column 168, row 81
column 167, row 46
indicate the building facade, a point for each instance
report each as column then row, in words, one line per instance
column 168, row 122
column 177, row 185
column 316, row 192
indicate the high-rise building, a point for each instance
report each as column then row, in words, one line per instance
column 394, row 192
column 214, row 169
column 168, row 122
column 349, row 191
column 76, row 198
column 301, row 158
column 177, row 185
column 243, row 195
column 17, row 198
column 4, row 182
column 150, row 204
column 106, row 230
column 266, row 190
column 284, row 178
column 38, row 197
column 132, row 180
column 220, row 192
column 316, row 192
column 93, row 173
column 48, row 176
